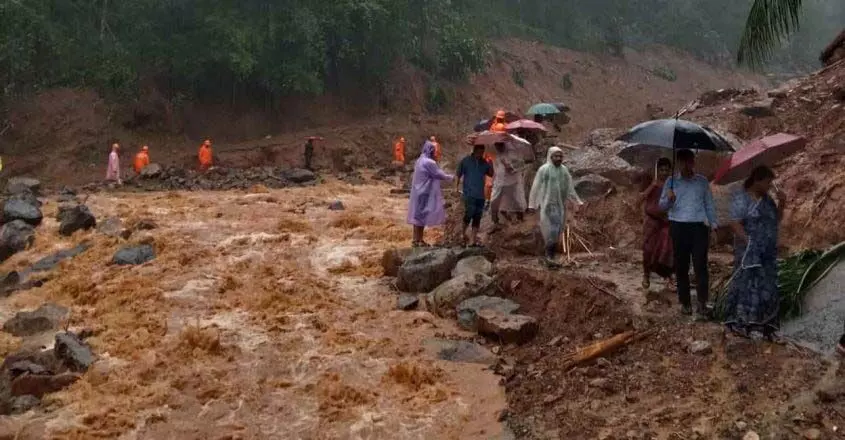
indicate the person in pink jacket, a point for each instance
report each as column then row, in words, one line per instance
column 113, row 170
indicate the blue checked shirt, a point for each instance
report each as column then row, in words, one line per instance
column 693, row 200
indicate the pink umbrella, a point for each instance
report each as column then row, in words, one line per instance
column 765, row 151
column 525, row 124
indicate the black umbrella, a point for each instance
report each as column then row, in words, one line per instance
column 670, row 134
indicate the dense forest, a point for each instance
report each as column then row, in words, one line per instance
column 215, row 48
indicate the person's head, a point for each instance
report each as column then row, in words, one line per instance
column 686, row 161
column 432, row 139
column 402, row 139
column 500, row 114
column 760, row 180
column 664, row 168
column 478, row 151
column 555, row 156
column 115, row 146
column 500, row 147
column 207, row 143
column 145, row 148
column 428, row 150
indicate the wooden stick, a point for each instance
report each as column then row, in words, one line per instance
column 583, row 244
column 603, row 290
column 604, row 347
column 568, row 245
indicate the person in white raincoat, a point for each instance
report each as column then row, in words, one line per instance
column 552, row 187
column 508, row 183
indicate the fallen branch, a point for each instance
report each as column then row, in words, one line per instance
column 603, row 347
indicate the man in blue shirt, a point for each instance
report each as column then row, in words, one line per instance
column 689, row 202
column 472, row 171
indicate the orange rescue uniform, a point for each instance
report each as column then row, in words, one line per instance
column 205, row 157
column 399, row 151
column 488, row 181
column 438, row 152
column 142, row 159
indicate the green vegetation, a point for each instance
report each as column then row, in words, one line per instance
column 665, row 73
column 566, row 82
column 263, row 49
column 768, row 23
column 797, row 274
column 518, row 77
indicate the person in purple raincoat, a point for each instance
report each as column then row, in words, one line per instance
column 426, row 205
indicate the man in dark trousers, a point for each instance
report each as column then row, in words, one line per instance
column 688, row 200
column 309, row 152
column 472, row 170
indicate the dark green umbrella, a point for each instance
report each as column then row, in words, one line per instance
column 542, row 109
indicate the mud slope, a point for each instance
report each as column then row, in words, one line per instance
column 63, row 135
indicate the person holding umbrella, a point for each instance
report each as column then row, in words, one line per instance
column 752, row 302
column 688, row 200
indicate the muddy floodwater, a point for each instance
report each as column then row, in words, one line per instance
column 264, row 315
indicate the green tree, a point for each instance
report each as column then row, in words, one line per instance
column 768, row 23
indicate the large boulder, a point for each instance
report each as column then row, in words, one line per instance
column 151, row 171
column 760, row 109
column 73, row 352
column 38, row 385
column 466, row 252
column 15, row 237
column 448, row 295
column 468, row 309
column 300, row 175
column 23, row 207
column 17, row 185
column 422, row 272
column 591, row 160
column 392, row 260
column 51, row 261
column 73, row 218
column 134, row 255
column 593, row 187
column 470, row 265
column 459, row 351
column 507, row 328
column 45, row 318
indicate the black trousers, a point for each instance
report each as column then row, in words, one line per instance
column 691, row 240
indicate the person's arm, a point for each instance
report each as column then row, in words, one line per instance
column 572, row 195
column 490, row 171
column 739, row 207
column 781, row 196
column 709, row 206
column 459, row 173
column 535, row 196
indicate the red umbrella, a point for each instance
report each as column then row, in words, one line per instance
column 525, row 124
column 765, row 151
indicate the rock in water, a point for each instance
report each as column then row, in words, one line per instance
column 337, row 205
column 300, row 175
column 73, row 352
column 134, row 255
column 467, row 252
column 507, row 328
column 150, row 171
column 407, row 301
column 22, row 207
column 15, row 237
column 75, row 218
column 22, row 404
column 451, row 293
column 113, row 227
column 47, row 317
column 476, row 264
column 48, row 263
column 145, row 225
column 392, row 260
column 460, row 351
column 422, row 272
column 17, row 185
column 468, row 309
column 40, row 384
column 593, row 187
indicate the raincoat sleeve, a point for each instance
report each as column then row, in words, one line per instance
column 436, row 173
column 572, row 195
column 538, row 190
column 664, row 203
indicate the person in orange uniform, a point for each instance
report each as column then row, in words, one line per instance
column 438, row 151
column 205, row 155
column 488, row 181
column 399, row 150
column 499, row 125
column 142, row 159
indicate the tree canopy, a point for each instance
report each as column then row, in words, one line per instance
column 217, row 48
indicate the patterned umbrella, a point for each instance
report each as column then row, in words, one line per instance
column 542, row 109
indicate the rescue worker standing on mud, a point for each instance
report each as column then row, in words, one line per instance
column 205, row 156
column 399, row 151
column 113, row 170
column 142, row 159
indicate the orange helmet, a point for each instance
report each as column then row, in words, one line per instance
column 500, row 114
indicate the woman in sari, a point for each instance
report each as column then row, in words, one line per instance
column 753, row 301
column 657, row 243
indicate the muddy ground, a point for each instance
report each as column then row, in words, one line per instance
column 265, row 315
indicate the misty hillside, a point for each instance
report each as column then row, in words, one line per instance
column 259, row 50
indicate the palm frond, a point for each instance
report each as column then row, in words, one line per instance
column 768, row 22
